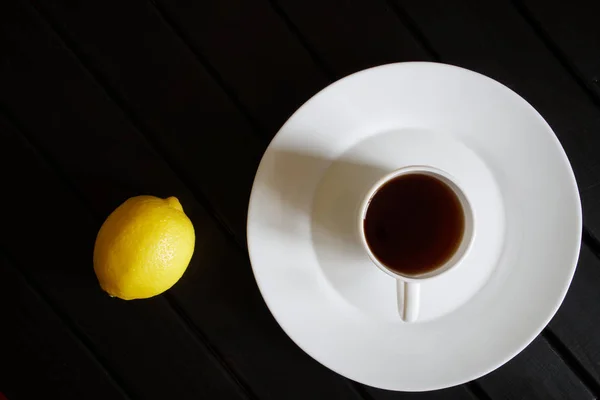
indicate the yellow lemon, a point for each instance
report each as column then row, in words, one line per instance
column 143, row 247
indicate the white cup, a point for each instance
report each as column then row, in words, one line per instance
column 408, row 286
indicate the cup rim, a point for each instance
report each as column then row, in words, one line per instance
column 466, row 205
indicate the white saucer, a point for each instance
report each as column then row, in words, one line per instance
column 321, row 286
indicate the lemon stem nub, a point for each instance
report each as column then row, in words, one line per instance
column 174, row 203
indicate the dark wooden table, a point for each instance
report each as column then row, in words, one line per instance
column 103, row 100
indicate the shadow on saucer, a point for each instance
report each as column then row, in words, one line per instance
column 329, row 191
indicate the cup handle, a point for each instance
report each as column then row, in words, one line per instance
column 408, row 300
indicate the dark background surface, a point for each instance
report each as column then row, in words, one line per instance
column 104, row 100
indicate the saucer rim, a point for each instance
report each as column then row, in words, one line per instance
column 572, row 183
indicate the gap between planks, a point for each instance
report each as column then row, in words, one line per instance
column 319, row 62
column 411, row 26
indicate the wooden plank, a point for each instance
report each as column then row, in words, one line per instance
column 253, row 51
column 39, row 356
column 353, row 35
column 106, row 160
column 460, row 42
column 170, row 95
column 492, row 38
column 51, row 237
